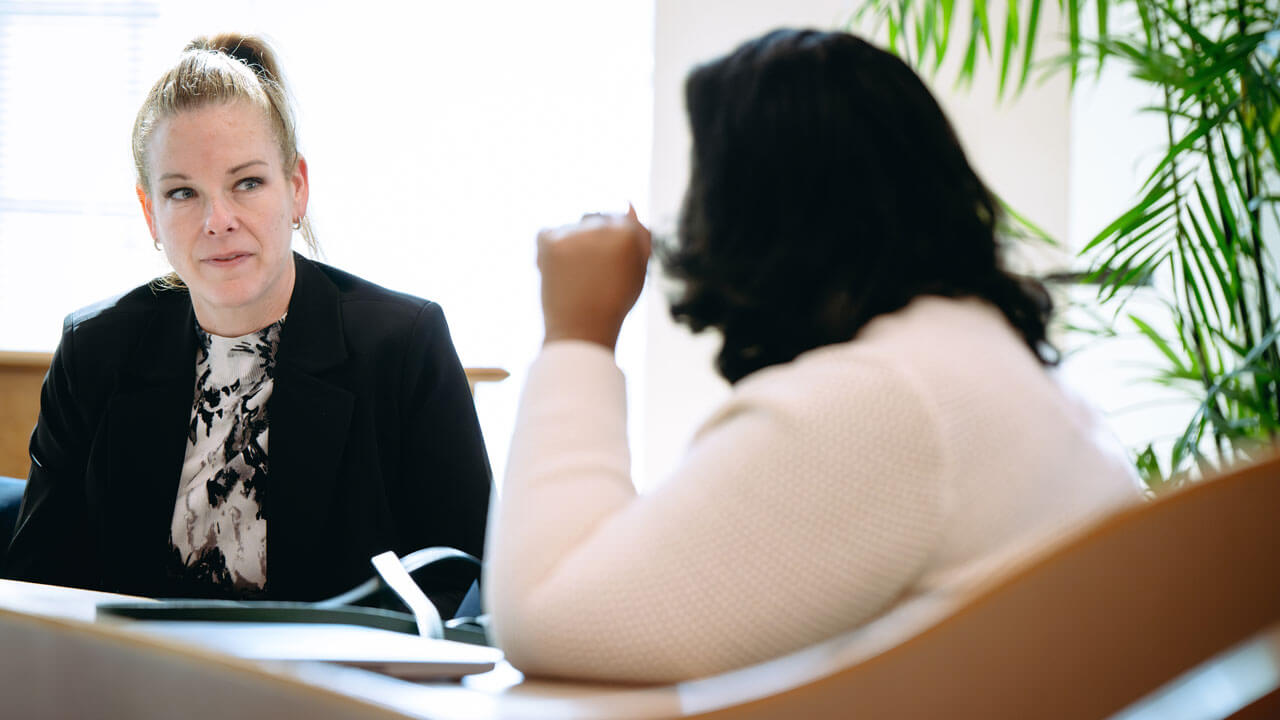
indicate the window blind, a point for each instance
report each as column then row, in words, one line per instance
column 70, row 81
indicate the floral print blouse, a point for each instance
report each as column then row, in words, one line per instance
column 218, row 536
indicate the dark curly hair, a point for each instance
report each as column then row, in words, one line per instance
column 828, row 188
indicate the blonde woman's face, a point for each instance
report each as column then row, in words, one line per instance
column 221, row 206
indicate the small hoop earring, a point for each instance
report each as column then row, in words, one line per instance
column 157, row 244
column 297, row 224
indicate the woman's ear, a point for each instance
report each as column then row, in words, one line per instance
column 301, row 188
column 145, row 200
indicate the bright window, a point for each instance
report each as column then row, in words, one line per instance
column 440, row 137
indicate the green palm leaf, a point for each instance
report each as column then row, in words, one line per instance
column 1204, row 221
column 1028, row 52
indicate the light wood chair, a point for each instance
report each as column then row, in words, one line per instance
column 476, row 375
column 21, row 375
column 1094, row 626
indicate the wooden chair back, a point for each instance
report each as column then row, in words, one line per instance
column 21, row 375
column 1090, row 628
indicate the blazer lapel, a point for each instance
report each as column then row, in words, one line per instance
column 145, row 428
column 310, row 418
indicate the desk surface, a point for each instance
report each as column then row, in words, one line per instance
column 57, row 662
column 61, row 663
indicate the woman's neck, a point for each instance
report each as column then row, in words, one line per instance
column 237, row 322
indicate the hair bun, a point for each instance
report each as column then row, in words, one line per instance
column 248, row 49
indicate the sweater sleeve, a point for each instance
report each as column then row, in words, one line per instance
column 803, row 508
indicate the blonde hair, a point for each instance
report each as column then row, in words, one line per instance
column 220, row 69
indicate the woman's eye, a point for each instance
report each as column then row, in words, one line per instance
column 180, row 193
column 249, row 183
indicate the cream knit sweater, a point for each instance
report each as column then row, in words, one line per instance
column 921, row 458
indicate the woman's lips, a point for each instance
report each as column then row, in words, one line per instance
column 227, row 260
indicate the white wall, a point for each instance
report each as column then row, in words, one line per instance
column 1020, row 149
column 448, row 134
column 440, row 138
column 1114, row 146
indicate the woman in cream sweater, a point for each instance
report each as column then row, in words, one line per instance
column 894, row 431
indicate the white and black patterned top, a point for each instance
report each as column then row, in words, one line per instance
column 218, row 535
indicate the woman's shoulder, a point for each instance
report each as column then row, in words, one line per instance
column 123, row 314
column 838, row 391
column 943, row 343
column 101, row 341
column 369, row 316
column 352, row 288
column 889, row 354
column 363, row 301
column 900, row 371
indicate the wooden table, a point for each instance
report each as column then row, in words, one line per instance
column 56, row 662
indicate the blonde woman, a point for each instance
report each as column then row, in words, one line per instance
column 256, row 424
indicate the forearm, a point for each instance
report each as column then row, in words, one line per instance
column 569, row 467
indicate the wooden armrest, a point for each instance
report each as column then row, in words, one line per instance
column 22, row 374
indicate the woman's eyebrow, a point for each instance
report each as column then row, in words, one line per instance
column 242, row 166
column 232, row 171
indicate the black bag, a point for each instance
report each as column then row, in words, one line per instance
column 390, row 600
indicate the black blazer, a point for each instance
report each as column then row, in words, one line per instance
column 374, row 442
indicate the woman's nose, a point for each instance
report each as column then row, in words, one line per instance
column 219, row 218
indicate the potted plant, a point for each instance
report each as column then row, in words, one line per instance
column 1203, row 230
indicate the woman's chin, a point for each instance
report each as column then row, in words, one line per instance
column 229, row 301
column 236, row 297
